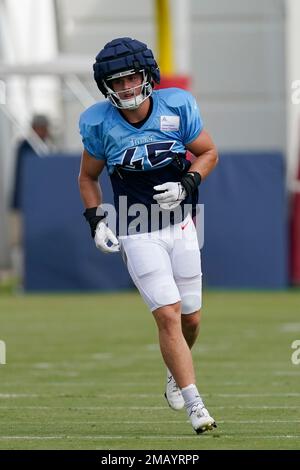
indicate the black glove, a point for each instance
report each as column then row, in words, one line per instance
column 93, row 219
column 190, row 182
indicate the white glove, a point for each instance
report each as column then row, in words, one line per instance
column 172, row 196
column 103, row 236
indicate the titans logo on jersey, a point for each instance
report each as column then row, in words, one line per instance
column 138, row 159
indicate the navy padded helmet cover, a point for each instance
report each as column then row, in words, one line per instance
column 123, row 54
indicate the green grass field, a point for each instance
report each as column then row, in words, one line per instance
column 85, row 372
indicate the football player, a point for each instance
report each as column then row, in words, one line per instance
column 141, row 136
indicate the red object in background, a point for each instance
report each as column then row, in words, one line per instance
column 177, row 81
column 295, row 237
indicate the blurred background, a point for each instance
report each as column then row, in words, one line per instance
column 240, row 59
column 74, row 350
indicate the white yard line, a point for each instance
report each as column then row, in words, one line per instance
column 295, row 372
column 258, row 395
column 19, row 395
column 161, row 437
column 147, row 408
column 181, row 421
column 290, row 327
column 152, row 395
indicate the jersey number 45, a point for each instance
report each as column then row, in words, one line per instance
column 156, row 154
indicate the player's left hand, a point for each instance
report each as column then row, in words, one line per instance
column 172, row 195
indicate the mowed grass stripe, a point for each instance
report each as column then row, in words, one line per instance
column 94, row 356
column 32, row 438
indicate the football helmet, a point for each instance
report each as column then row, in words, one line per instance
column 120, row 58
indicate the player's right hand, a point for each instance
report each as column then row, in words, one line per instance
column 105, row 239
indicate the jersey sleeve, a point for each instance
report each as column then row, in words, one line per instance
column 191, row 119
column 91, row 138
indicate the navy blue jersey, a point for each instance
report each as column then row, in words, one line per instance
column 138, row 159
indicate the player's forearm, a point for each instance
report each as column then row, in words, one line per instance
column 205, row 162
column 90, row 192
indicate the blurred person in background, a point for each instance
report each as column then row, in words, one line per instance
column 40, row 125
column 141, row 135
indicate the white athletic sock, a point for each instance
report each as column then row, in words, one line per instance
column 191, row 396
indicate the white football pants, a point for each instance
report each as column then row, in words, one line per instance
column 165, row 265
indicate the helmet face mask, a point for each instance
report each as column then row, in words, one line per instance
column 139, row 93
column 120, row 58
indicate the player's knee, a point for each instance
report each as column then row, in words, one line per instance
column 190, row 303
column 168, row 317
